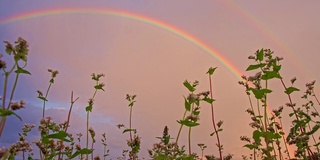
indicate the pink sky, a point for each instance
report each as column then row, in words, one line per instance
column 151, row 62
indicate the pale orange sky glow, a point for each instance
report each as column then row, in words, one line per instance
column 149, row 48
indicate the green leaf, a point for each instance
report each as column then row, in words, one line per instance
column 260, row 55
column 128, row 130
column 6, row 112
column 42, row 98
column 187, row 105
column 276, row 68
column 23, row 71
column 196, row 112
column 209, row 100
column 161, row 157
column 256, row 136
column 89, row 108
column 211, row 70
column 260, row 93
column 270, row 75
column 82, row 151
column 9, row 51
column 250, row 146
column 61, row 135
column 189, row 86
column 99, row 86
column 290, row 90
column 188, row 123
column 266, row 91
column 51, row 80
column 255, row 66
column 314, row 129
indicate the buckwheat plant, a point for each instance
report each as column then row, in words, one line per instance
column 98, row 86
column 104, row 143
column 134, row 141
column 20, row 146
column 269, row 126
column 19, row 55
column 217, row 127
column 166, row 150
column 192, row 107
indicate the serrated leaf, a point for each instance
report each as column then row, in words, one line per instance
column 255, row 66
column 290, row 90
column 188, row 123
column 6, row 112
column 260, row 55
column 211, row 70
column 23, row 71
column 189, row 86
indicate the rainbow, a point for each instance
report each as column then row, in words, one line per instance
column 268, row 33
column 125, row 14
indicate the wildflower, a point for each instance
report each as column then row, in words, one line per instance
column 219, row 124
column 250, row 111
column 53, row 73
column 293, row 80
column 193, row 117
column 92, row 133
column 78, row 147
column 97, row 157
column 120, row 126
column 90, row 102
column 193, row 97
column 251, row 57
column 27, row 127
column 3, row 64
column 245, row 138
column 17, row 105
column 279, row 58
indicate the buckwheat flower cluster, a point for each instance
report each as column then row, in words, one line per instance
column 135, row 145
column 93, row 134
column 27, row 128
column 21, row 146
column 17, row 105
column 53, row 73
column 3, row 63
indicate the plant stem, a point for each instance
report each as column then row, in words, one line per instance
column 266, row 125
column 44, row 101
column 184, row 116
column 310, row 153
column 213, row 121
column 3, row 119
column 87, row 137
column 130, row 123
column 189, row 140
